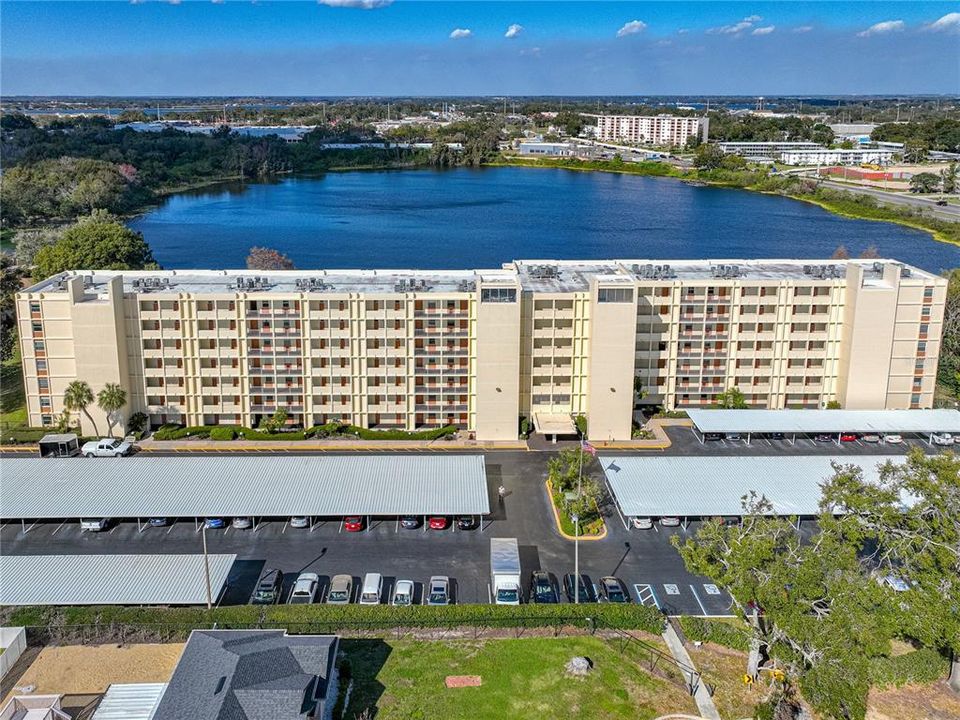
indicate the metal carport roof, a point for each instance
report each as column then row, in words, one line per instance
column 130, row 701
column 110, row 579
column 263, row 486
column 826, row 421
column 701, row 486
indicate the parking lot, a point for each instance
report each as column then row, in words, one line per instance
column 646, row 562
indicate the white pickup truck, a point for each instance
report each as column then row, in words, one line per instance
column 106, row 447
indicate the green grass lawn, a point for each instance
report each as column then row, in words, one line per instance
column 13, row 409
column 522, row 678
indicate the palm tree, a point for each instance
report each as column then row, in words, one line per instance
column 111, row 400
column 78, row 396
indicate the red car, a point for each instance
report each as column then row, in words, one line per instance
column 353, row 524
column 848, row 437
column 439, row 523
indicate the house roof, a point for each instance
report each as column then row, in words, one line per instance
column 249, row 675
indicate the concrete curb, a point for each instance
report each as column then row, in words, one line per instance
column 556, row 519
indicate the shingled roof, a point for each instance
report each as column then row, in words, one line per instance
column 250, row 675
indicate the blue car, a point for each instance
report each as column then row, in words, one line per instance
column 214, row 523
column 157, row 522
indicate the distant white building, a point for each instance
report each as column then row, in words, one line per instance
column 854, row 132
column 766, row 149
column 824, row 156
column 651, row 129
column 548, row 149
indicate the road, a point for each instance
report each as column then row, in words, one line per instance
column 949, row 212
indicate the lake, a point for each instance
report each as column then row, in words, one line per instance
column 476, row 218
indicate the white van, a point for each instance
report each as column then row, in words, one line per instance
column 94, row 524
column 372, row 587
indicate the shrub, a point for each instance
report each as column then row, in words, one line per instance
column 137, row 423
column 581, row 422
column 920, row 666
column 224, row 432
column 716, row 631
column 178, row 432
column 23, row 435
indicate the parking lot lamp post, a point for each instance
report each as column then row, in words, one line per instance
column 206, row 567
column 576, row 558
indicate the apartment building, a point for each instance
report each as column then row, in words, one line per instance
column 548, row 340
column 651, row 129
column 767, row 150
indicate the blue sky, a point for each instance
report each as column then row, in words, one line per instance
column 406, row 47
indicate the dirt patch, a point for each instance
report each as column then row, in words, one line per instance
column 914, row 702
column 80, row 669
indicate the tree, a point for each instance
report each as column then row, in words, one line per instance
column 948, row 370
column 570, row 122
column 77, row 397
column 925, row 182
column 263, row 258
column 28, row 242
column 111, row 399
column 708, row 157
column 915, row 151
column 16, row 121
column 96, row 242
column 834, row 405
column 275, row 422
column 130, row 116
column 10, row 275
column 840, row 253
column 731, row 399
column 870, row 253
column 441, row 155
column 948, row 178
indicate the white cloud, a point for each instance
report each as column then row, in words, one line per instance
column 764, row 30
column 632, row 28
column 881, row 28
column 531, row 52
column 358, row 4
column 752, row 18
column 218, row 2
column 460, row 33
column 513, row 31
column 736, row 28
column 803, row 29
column 682, row 31
column 949, row 22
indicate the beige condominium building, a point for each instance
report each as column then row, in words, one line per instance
column 548, row 340
column 652, row 129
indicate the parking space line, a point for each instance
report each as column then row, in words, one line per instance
column 699, row 602
column 171, row 526
column 645, row 594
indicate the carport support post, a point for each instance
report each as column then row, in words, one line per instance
column 206, row 569
column 748, row 438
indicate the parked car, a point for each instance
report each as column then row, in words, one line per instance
column 304, row 589
column 341, row 590
column 713, row 436
column 893, row 439
column 777, row 436
column 823, row 437
column 848, row 437
column 734, row 436
column 241, row 523
column 871, row 438
column 542, row 589
column 214, row 523
column 353, row 523
column 299, row 522
column 643, row 523
column 584, row 590
column 467, row 522
column 371, row 589
column 268, row 589
column 727, row 520
column 942, row 203
column 612, row 590
column 409, row 522
column 669, row 521
column 94, row 524
column 439, row 590
column 158, row 522
column 403, row 593
column 943, row 439
column 106, row 447
column 439, row 522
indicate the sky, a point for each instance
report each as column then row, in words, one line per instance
column 424, row 48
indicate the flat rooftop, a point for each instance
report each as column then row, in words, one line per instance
column 543, row 276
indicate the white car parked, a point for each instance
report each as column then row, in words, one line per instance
column 305, row 589
column 403, row 593
column 106, row 447
column 943, row 439
column 643, row 523
column 893, row 439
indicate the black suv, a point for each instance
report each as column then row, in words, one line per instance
column 584, row 589
column 613, row 591
column 542, row 589
column 268, row 589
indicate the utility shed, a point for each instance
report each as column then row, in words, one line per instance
column 111, row 579
column 702, row 486
column 263, row 486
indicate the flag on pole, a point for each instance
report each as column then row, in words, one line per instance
column 588, row 448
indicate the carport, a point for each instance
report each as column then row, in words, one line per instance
column 792, row 423
column 112, row 579
column 252, row 487
column 698, row 487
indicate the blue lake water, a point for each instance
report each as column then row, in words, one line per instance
column 467, row 218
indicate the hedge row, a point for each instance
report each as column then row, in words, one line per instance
column 920, row 666
column 716, row 631
column 23, row 435
column 231, row 432
column 346, row 617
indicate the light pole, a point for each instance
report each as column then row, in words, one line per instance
column 206, row 567
column 576, row 558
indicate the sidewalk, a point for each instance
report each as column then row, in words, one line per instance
column 701, row 694
column 324, row 445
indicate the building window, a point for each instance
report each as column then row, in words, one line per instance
column 34, row 307
column 498, row 295
column 39, row 346
column 43, row 383
column 928, row 292
column 922, row 346
column 615, row 295
column 44, row 403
